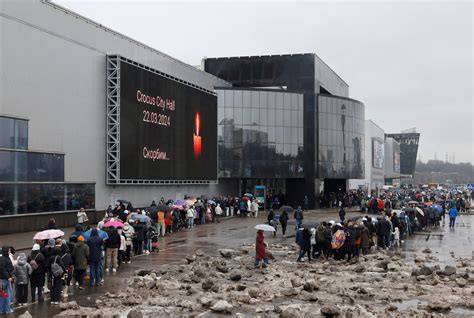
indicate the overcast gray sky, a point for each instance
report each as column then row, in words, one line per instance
column 410, row 63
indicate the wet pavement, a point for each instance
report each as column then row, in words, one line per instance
column 234, row 232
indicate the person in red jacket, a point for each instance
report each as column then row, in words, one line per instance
column 260, row 254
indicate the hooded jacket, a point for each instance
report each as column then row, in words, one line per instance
column 22, row 270
column 95, row 246
column 80, row 255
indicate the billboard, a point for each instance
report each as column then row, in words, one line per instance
column 168, row 129
column 396, row 161
column 378, row 153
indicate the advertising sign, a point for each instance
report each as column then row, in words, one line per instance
column 396, row 161
column 378, row 153
column 168, row 130
column 260, row 194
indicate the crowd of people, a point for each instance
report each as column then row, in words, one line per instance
column 55, row 264
column 398, row 214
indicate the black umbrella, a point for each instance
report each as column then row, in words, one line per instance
column 164, row 208
column 123, row 201
column 310, row 224
column 287, row 208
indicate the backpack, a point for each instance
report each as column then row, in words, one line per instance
column 34, row 265
column 56, row 269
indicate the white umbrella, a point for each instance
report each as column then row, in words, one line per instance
column 48, row 234
column 420, row 211
column 265, row 227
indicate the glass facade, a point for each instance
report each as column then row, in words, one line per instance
column 341, row 138
column 408, row 151
column 21, row 198
column 13, row 133
column 260, row 134
column 33, row 182
column 31, row 166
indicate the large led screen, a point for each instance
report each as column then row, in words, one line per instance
column 168, row 130
column 378, row 153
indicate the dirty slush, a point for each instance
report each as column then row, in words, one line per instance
column 379, row 285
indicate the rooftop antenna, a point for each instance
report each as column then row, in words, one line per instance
column 436, row 157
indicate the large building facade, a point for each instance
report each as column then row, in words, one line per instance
column 53, row 114
column 310, row 119
column 73, row 92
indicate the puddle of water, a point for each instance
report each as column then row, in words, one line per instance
column 462, row 311
column 407, row 304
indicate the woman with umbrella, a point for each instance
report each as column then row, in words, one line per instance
column 260, row 245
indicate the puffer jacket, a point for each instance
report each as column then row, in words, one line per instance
column 22, row 270
column 6, row 267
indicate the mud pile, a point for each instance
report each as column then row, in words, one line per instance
column 378, row 285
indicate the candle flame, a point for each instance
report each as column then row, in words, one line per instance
column 198, row 123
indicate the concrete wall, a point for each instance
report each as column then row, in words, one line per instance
column 53, row 72
column 327, row 78
column 374, row 177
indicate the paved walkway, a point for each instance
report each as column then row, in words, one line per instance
column 230, row 233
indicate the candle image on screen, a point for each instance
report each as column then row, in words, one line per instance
column 197, row 138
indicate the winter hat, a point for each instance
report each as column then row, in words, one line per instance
column 364, row 219
column 22, row 256
column 36, row 247
column 51, row 242
column 80, row 238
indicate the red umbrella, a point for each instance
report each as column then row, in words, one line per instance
column 245, row 198
column 419, row 195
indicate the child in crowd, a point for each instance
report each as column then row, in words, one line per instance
column 22, row 274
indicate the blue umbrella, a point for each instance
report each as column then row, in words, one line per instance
column 142, row 218
column 211, row 202
column 102, row 234
column 250, row 195
column 180, row 202
column 437, row 207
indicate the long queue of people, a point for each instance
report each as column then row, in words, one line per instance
column 53, row 265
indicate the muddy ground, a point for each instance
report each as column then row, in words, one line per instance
column 381, row 284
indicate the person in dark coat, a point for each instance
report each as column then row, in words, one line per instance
column 56, row 281
column 51, row 224
column 384, row 230
column 37, row 278
column 79, row 231
column 350, row 241
column 95, row 244
column 80, row 255
column 6, row 271
column 304, row 241
column 112, row 245
column 364, row 239
column 284, row 221
column 139, row 238
column 66, row 257
column 270, row 216
column 342, row 214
